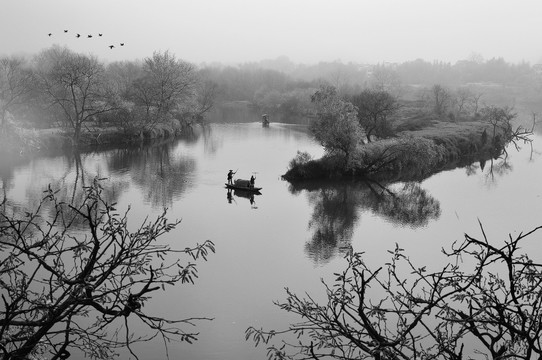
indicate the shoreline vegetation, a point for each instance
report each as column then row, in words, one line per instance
column 412, row 155
column 62, row 100
column 375, row 126
column 372, row 137
column 27, row 142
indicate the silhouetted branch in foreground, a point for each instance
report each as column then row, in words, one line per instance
column 486, row 300
column 64, row 288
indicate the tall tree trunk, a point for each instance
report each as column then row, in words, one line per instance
column 77, row 134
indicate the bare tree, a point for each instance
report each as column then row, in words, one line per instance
column 165, row 86
column 79, row 279
column 385, row 78
column 402, row 311
column 375, row 107
column 475, row 102
column 207, row 91
column 76, row 84
column 462, row 100
column 441, row 98
column 500, row 119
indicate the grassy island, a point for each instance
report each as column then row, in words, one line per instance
column 417, row 146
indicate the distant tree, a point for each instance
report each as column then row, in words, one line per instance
column 465, row 101
column 165, row 86
column 336, row 125
column 75, row 84
column 484, row 302
column 440, row 97
column 296, row 102
column 206, row 94
column 375, row 107
column 15, row 85
column 461, row 100
column 122, row 75
column 79, row 278
column 385, row 78
column 500, row 120
column 475, row 103
column 503, row 132
column 340, row 79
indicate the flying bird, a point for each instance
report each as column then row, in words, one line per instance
column 100, row 34
column 65, row 31
column 121, row 44
column 89, row 36
column 50, row 34
column 111, row 46
column 78, row 35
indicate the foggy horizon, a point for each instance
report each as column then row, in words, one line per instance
column 306, row 32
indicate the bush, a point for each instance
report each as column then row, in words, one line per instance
column 301, row 158
column 417, row 155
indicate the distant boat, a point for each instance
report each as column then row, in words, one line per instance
column 265, row 120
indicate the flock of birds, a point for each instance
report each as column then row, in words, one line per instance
column 77, row 35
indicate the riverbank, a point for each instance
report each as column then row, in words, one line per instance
column 411, row 155
column 23, row 142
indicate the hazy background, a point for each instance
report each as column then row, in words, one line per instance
column 306, row 31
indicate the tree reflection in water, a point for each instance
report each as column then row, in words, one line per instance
column 77, row 171
column 410, row 205
column 338, row 205
column 332, row 221
column 159, row 173
column 6, row 182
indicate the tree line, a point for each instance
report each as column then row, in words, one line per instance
column 79, row 93
column 281, row 87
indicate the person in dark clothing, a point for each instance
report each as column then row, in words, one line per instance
column 230, row 177
column 252, row 179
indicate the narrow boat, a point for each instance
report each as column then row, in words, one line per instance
column 240, row 184
column 243, row 188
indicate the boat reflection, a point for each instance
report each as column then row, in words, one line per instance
column 249, row 195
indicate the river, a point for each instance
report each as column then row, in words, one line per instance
column 285, row 237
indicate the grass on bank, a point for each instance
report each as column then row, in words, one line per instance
column 18, row 140
column 413, row 154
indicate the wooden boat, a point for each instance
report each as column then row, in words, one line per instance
column 241, row 184
column 243, row 188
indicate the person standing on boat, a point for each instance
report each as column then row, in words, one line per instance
column 252, row 179
column 230, row 177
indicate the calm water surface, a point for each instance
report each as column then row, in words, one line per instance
column 286, row 237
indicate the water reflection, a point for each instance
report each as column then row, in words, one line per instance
column 6, row 182
column 249, row 195
column 69, row 182
column 161, row 175
column 491, row 168
column 337, row 208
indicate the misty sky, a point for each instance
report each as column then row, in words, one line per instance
column 306, row 31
